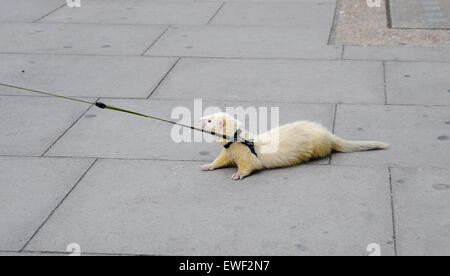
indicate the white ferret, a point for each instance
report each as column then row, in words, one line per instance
column 288, row 145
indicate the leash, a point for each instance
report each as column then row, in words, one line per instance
column 236, row 138
column 114, row 108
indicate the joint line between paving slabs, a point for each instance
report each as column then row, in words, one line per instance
column 64, row 133
column 334, row 117
column 332, row 36
column 191, row 160
column 232, row 57
column 394, row 230
column 216, row 13
column 58, row 205
column 156, row 40
column 39, row 19
column 84, row 253
column 385, row 83
column 258, row 102
column 163, row 78
column 333, row 128
column 388, row 14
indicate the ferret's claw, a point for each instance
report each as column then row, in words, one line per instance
column 206, row 167
column 236, row 177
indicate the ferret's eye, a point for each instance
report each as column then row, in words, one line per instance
column 209, row 121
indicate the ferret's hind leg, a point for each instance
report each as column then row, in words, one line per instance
column 222, row 161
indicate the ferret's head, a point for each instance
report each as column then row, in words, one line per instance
column 221, row 123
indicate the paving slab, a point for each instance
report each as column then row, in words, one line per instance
column 29, row 125
column 117, row 135
column 276, row 14
column 397, row 53
column 148, row 207
column 275, row 80
column 25, row 10
column 420, row 14
column 421, row 198
column 77, row 38
column 88, row 76
column 137, row 12
column 419, row 135
column 31, row 189
column 252, row 42
column 418, row 83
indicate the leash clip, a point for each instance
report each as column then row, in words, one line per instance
column 100, row 105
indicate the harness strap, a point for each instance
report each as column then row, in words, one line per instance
column 238, row 138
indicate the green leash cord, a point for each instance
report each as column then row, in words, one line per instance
column 110, row 107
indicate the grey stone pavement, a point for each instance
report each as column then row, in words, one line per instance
column 117, row 184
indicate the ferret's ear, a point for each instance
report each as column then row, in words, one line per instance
column 202, row 119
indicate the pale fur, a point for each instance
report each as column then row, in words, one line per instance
column 291, row 144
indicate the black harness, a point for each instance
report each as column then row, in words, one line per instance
column 237, row 138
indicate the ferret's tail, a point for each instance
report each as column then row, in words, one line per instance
column 341, row 145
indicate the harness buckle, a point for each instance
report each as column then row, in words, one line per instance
column 239, row 139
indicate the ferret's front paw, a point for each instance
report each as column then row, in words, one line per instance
column 207, row 167
column 237, row 177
